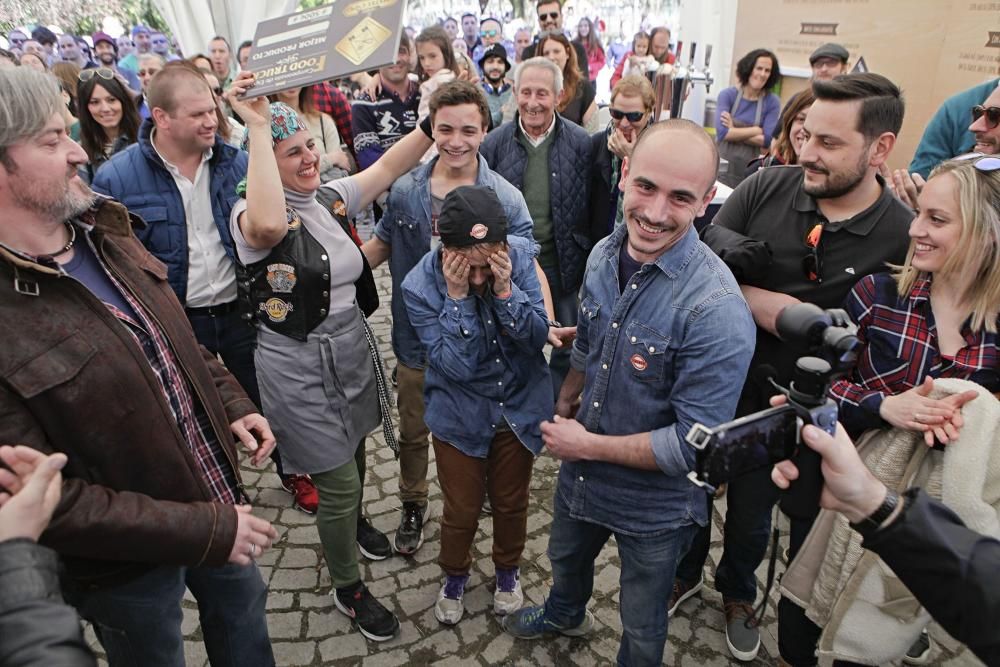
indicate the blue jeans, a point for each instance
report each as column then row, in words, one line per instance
column 751, row 499
column 139, row 622
column 647, row 579
column 566, row 306
column 230, row 337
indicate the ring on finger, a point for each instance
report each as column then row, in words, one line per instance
column 916, row 417
column 253, row 550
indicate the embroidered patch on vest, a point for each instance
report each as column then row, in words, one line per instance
column 276, row 309
column 294, row 221
column 339, row 208
column 479, row 231
column 638, row 362
column 281, row 277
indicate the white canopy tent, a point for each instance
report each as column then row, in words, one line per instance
column 195, row 22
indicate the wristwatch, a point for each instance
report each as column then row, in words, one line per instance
column 875, row 520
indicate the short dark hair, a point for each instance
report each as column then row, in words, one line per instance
column 744, row 68
column 548, row 2
column 436, row 35
column 43, row 35
column 469, row 14
column 457, row 92
column 882, row 104
column 160, row 93
column 7, row 55
column 223, row 39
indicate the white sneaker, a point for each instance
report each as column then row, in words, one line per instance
column 449, row 607
column 507, row 597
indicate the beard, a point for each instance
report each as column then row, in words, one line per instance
column 51, row 199
column 494, row 77
column 837, row 184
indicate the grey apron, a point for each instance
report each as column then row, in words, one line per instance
column 739, row 154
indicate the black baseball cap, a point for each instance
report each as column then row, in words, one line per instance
column 472, row 214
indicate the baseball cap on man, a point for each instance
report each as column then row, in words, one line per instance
column 495, row 51
column 829, row 50
column 140, row 28
column 472, row 214
column 104, row 37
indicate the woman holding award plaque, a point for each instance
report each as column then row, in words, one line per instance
column 307, row 287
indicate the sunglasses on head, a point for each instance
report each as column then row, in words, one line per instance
column 551, row 16
column 982, row 162
column 633, row 116
column 105, row 73
column 489, row 33
column 992, row 115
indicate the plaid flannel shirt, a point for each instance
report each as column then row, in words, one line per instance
column 329, row 100
column 900, row 349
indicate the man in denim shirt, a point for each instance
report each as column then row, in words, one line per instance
column 476, row 305
column 664, row 340
column 459, row 116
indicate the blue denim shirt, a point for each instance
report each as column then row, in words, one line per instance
column 406, row 226
column 485, row 361
column 669, row 350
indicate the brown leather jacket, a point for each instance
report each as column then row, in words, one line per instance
column 73, row 380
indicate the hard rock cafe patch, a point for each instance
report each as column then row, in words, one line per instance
column 639, row 362
column 281, row 278
column 294, row 221
column 339, row 208
column 479, row 231
column 276, row 309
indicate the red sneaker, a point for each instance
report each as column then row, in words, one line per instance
column 304, row 491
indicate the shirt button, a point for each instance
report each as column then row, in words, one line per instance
column 633, row 339
column 614, row 325
column 597, row 404
column 501, row 404
column 500, row 383
column 513, row 425
column 634, row 286
column 489, row 321
column 494, row 341
column 604, row 366
column 493, row 425
column 465, row 331
column 652, row 349
column 455, row 308
column 581, row 478
column 498, row 361
column 323, row 257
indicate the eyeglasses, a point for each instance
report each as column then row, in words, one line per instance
column 551, row 16
column 105, row 73
column 489, row 34
column 812, row 263
column 992, row 115
column 982, row 162
column 633, row 116
column 150, row 72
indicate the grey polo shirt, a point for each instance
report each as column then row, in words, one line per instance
column 771, row 206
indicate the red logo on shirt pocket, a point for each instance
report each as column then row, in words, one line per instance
column 639, row 362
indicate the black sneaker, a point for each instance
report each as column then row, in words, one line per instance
column 373, row 543
column 374, row 621
column 410, row 534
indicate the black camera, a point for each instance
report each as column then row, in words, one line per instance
column 735, row 448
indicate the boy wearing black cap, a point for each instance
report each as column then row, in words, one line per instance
column 494, row 66
column 477, row 308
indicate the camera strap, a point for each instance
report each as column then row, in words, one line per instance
column 758, row 613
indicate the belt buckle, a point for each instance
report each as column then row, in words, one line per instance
column 26, row 287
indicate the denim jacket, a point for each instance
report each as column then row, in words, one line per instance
column 669, row 350
column 485, row 361
column 406, row 226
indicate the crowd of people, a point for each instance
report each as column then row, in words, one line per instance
column 183, row 277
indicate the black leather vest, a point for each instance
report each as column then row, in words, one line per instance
column 288, row 291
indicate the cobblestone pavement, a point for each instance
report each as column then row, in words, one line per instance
column 306, row 629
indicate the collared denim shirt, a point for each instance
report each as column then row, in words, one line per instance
column 485, row 361
column 669, row 350
column 406, row 226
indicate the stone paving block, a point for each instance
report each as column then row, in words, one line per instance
column 294, row 654
column 295, row 579
column 277, row 600
column 195, row 654
column 315, row 600
column 390, row 504
column 474, row 629
column 395, row 563
column 408, row 633
column 284, row 625
column 389, row 659
column 299, row 558
column 498, row 649
column 321, row 624
column 442, row 643
column 383, row 588
column 272, row 498
column 478, row 599
column 189, row 620
column 353, row 645
column 294, row 517
column 428, row 572
column 413, row 600
column 303, row 535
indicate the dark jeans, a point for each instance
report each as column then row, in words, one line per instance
column 566, row 307
column 646, row 580
column 797, row 635
column 139, row 623
column 745, row 536
column 231, row 338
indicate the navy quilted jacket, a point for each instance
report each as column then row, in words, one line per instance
column 569, row 160
column 137, row 178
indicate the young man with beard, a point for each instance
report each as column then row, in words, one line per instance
column 459, row 117
column 550, row 19
column 663, row 342
column 378, row 124
column 829, row 221
column 494, row 66
column 99, row 363
column 106, row 52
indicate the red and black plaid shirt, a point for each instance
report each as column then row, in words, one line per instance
column 900, row 349
column 329, row 100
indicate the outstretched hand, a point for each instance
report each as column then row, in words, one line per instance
column 255, row 111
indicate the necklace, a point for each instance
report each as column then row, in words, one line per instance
column 69, row 244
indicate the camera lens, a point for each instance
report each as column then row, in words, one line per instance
column 809, row 382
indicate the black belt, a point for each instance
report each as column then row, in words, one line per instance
column 215, row 311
